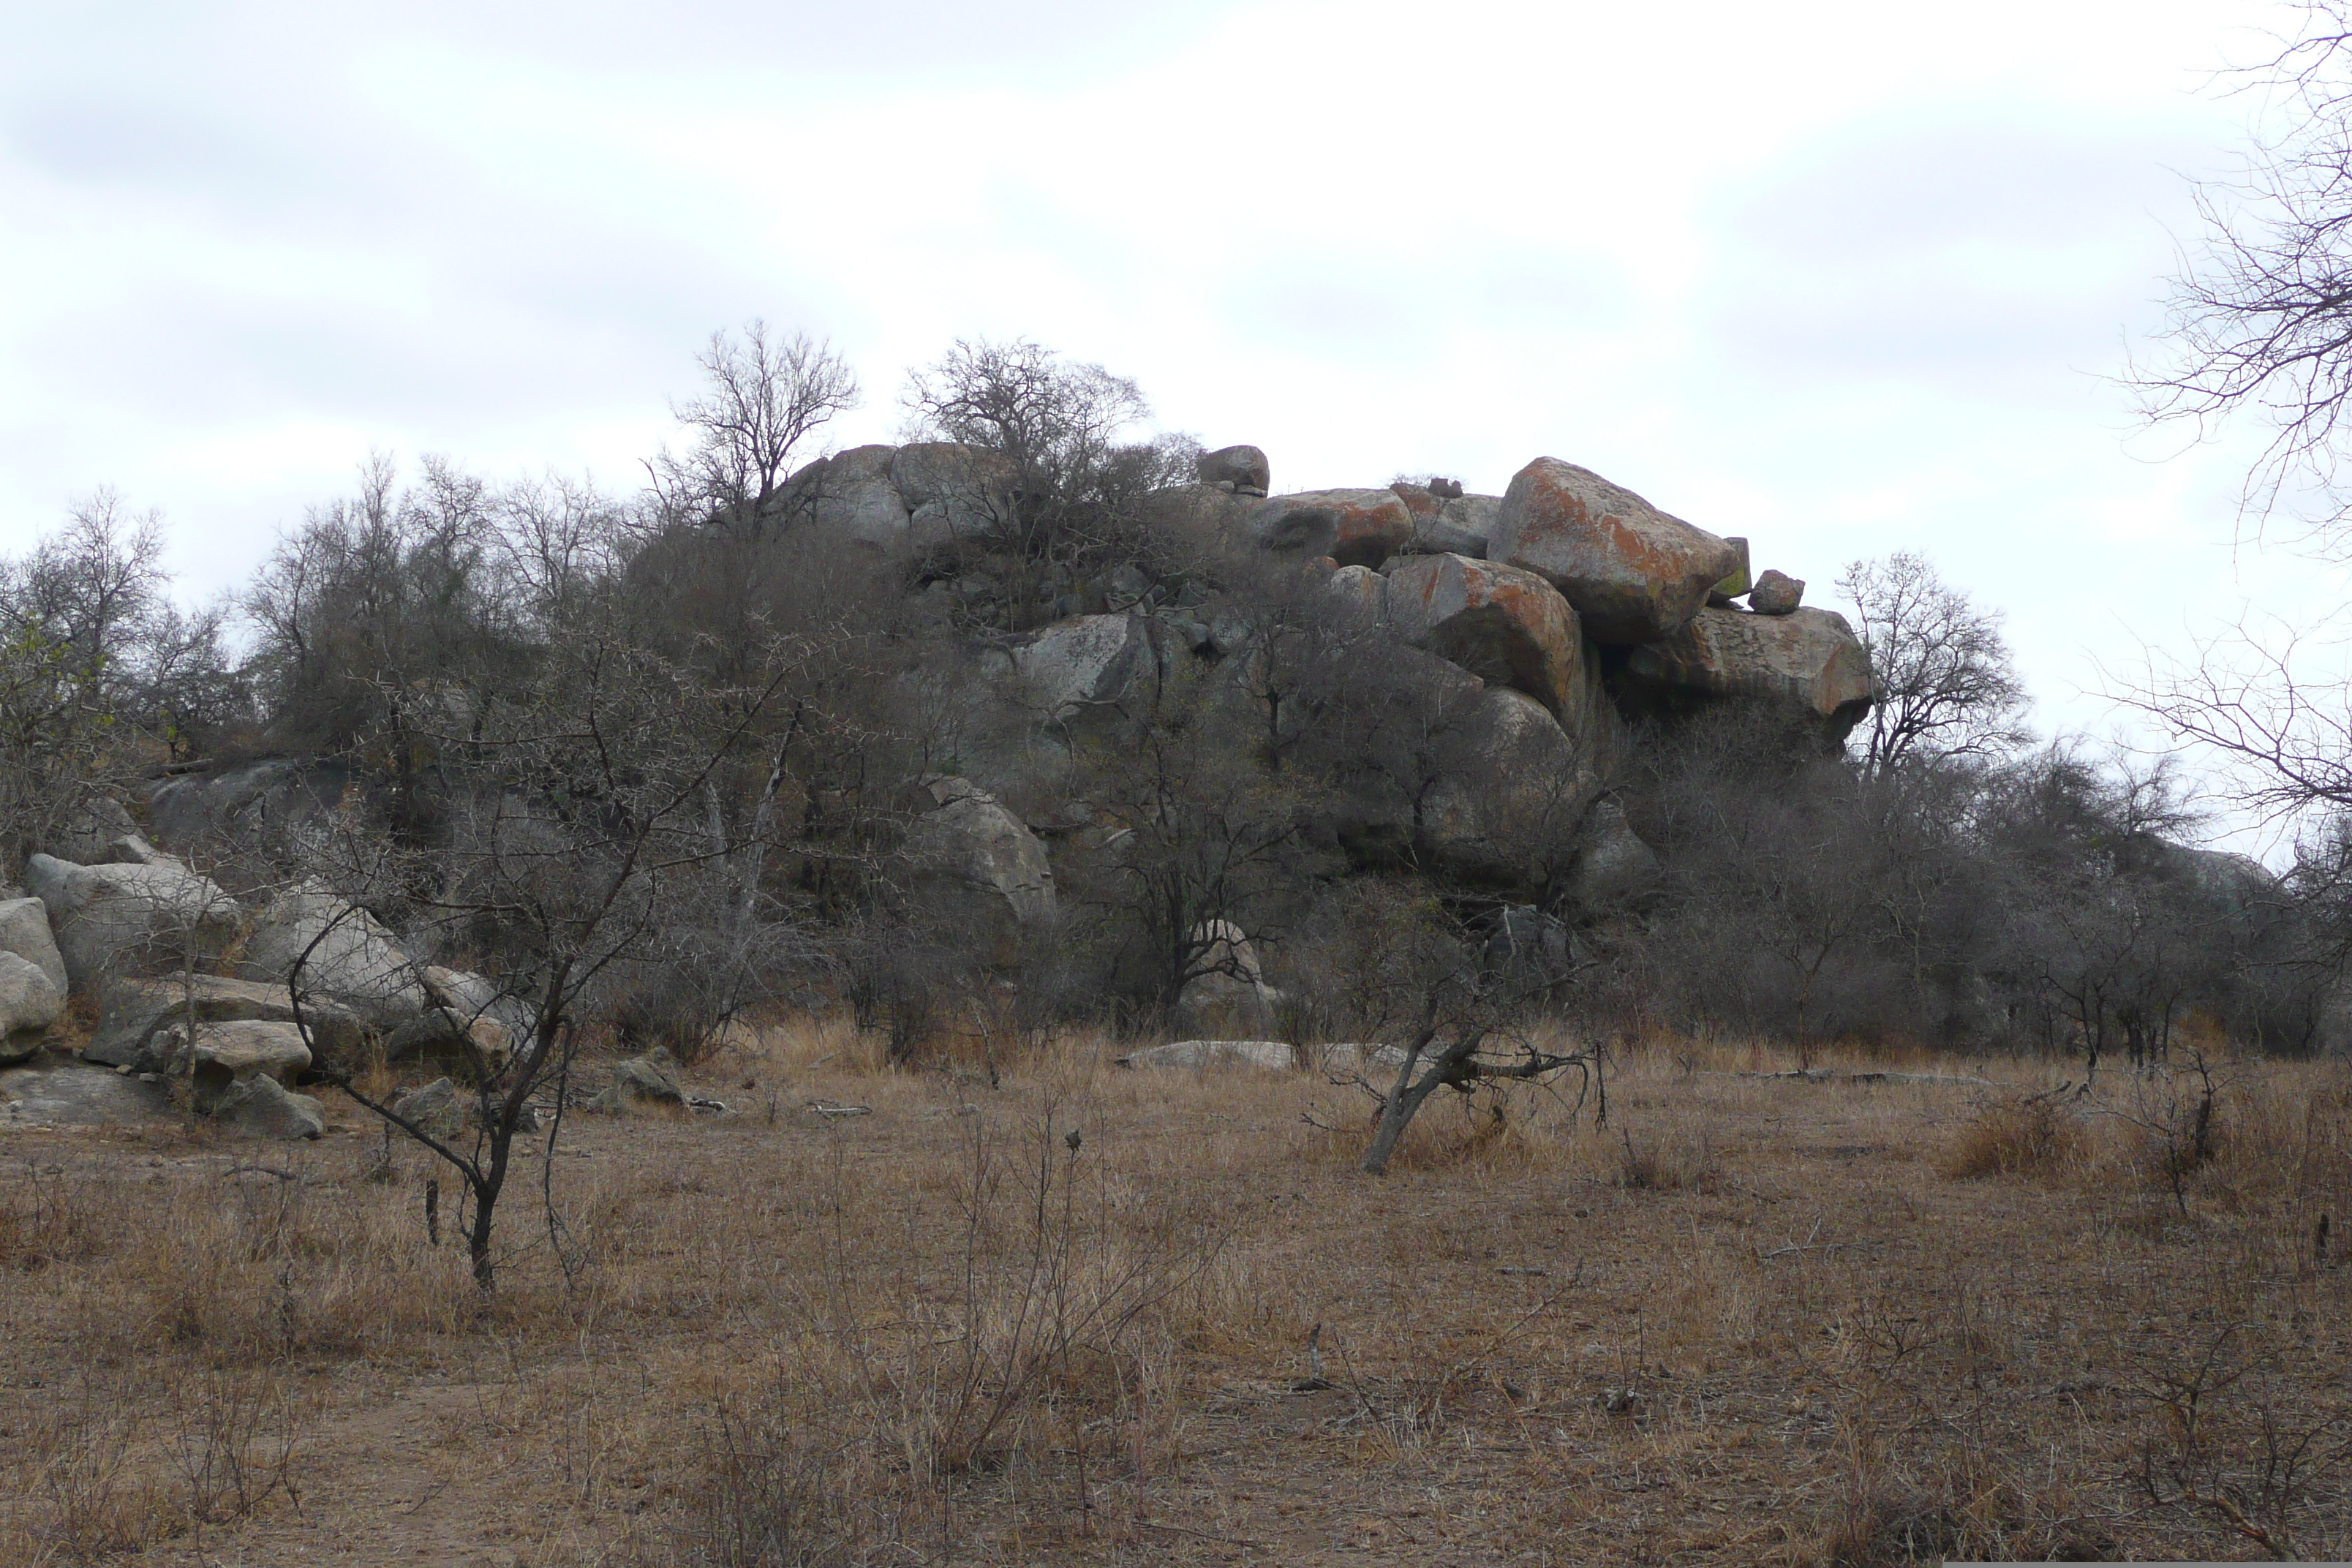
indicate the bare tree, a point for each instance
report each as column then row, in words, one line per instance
column 764, row 394
column 1946, row 684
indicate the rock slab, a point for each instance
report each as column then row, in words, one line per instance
column 1633, row 572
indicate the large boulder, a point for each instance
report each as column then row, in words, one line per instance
column 1807, row 664
column 1244, row 467
column 435, row 1108
column 475, row 1047
column 1505, row 626
column 134, row 1015
column 86, row 828
column 1737, row 583
column 261, row 1107
column 851, row 491
column 132, row 920
column 1089, row 663
column 1354, row 527
column 25, row 932
column 1355, row 598
column 1633, row 572
column 214, row 1056
column 1277, row 1054
column 1512, row 788
column 1232, row 995
column 29, row 1003
column 243, row 800
column 971, row 845
column 343, row 952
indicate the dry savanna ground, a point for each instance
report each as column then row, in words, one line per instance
column 1088, row 1315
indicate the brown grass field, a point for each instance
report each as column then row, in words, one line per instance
column 1746, row 1321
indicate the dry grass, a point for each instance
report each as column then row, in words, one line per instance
column 1086, row 1315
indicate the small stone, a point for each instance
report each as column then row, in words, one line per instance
column 1776, row 593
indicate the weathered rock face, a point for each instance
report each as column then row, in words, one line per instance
column 1276, row 1055
column 1633, row 572
column 1505, row 626
column 1448, row 522
column 1357, row 596
column 1244, row 467
column 651, row 1078
column 1354, row 527
column 951, row 490
column 1088, row 662
column 29, row 1003
column 25, row 932
column 94, row 822
column 350, row 956
column 195, row 807
column 1808, row 664
column 852, row 491
column 435, row 1108
column 972, row 844
column 1776, row 594
column 260, row 1107
column 135, row 1013
column 1613, row 867
column 130, row 919
column 472, row 1046
column 1737, row 583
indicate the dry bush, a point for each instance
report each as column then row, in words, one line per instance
column 2011, row 1138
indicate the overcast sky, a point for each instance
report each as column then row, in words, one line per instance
column 1845, row 278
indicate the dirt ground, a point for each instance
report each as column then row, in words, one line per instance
column 1084, row 1314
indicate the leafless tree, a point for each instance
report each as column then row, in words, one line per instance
column 1947, row 687
column 764, row 394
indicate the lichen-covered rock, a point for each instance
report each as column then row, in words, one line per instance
column 1633, row 572
column 118, row 919
column 1776, row 593
column 1450, row 524
column 1737, row 583
column 1513, row 787
column 25, row 932
column 1354, row 527
column 341, row 950
column 29, row 1005
column 1505, row 626
column 134, row 1014
column 1244, row 467
column 1807, row 664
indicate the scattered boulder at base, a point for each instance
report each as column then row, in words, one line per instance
column 1277, row 1054
column 651, row 1077
column 25, row 932
column 1634, row 574
column 214, row 1056
column 475, row 1047
column 1613, row 867
column 134, row 1014
column 434, row 1109
column 260, row 1107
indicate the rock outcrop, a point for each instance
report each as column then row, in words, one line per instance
column 1231, row 993
column 1634, row 573
column 1077, row 668
column 214, row 1056
column 25, row 932
column 135, row 1013
column 261, row 1107
column 343, row 952
column 1776, row 594
column 1505, row 626
column 971, row 845
column 117, row 920
column 29, row 1005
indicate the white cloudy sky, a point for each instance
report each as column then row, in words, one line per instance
column 1843, row 278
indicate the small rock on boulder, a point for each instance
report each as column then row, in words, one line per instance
column 1737, row 583
column 1633, row 572
column 1244, row 467
column 130, row 919
column 1354, row 527
column 1776, row 593
column 214, row 1056
column 29, row 1005
column 1505, row 626
column 260, row 1107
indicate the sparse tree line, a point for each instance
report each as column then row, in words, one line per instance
column 651, row 759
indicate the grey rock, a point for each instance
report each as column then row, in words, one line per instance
column 435, row 1108
column 131, row 849
column 970, row 842
column 194, row 808
column 1447, row 525
column 260, row 1107
column 116, row 920
column 1613, row 867
column 343, row 952
column 1514, row 784
column 133, row 1016
column 1276, row 1055
column 1734, row 584
column 1233, row 995
column 1354, row 527
column 88, row 827
column 1242, row 467
column 1356, row 597
column 1776, row 593
column 851, row 491
column 29, row 1005
column 56, row 1091
column 649, row 1078
column 1526, row 939
column 951, row 490
column 1091, row 663
column 25, row 932
column 1633, row 572
column 475, row 1047
column 213, row 1056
